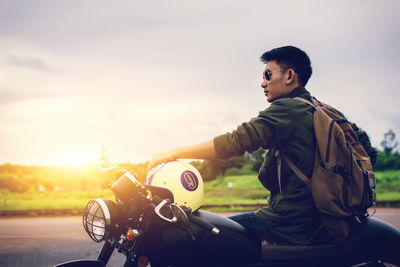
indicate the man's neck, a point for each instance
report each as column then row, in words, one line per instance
column 295, row 92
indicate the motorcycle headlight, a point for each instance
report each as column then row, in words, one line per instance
column 99, row 218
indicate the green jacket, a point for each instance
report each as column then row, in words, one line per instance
column 286, row 125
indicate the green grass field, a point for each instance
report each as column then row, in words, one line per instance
column 388, row 185
column 50, row 199
column 246, row 189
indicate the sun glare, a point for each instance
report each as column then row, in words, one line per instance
column 73, row 159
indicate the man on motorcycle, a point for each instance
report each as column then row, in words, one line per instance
column 286, row 125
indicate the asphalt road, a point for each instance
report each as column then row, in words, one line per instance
column 46, row 241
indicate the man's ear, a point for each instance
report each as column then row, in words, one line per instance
column 290, row 76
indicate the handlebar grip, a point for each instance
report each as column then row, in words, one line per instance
column 203, row 224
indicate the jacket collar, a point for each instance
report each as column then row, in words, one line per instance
column 296, row 92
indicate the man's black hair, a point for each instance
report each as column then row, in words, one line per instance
column 290, row 57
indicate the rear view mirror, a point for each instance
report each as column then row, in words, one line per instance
column 104, row 161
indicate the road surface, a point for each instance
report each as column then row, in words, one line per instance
column 46, row 241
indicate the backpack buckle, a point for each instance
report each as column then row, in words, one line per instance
column 336, row 168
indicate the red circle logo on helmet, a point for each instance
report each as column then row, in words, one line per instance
column 189, row 180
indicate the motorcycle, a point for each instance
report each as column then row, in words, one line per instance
column 146, row 226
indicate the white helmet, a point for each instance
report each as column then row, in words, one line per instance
column 182, row 179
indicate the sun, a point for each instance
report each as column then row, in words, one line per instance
column 73, row 159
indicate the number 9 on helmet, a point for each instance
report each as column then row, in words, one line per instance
column 182, row 179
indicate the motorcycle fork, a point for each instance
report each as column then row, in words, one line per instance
column 106, row 252
column 132, row 257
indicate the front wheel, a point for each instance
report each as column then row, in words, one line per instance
column 82, row 263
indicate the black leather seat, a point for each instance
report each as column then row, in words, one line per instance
column 375, row 240
column 310, row 252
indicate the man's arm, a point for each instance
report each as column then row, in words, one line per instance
column 203, row 150
column 364, row 140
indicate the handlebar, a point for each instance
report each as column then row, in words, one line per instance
column 129, row 182
column 203, row 224
column 109, row 168
column 158, row 208
column 183, row 216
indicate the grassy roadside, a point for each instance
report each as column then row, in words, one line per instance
column 245, row 190
column 388, row 185
column 49, row 199
column 248, row 188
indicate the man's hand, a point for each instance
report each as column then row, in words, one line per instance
column 203, row 150
column 161, row 157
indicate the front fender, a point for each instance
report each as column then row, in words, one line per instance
column 83, row 263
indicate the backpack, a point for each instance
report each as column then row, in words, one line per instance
column 342, row 184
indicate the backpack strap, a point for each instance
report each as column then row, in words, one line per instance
column 295, row 169
column 291, row 164
column 314, row 104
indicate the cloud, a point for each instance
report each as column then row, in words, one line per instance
column 10, row 97
column 147, row 76
column 30, row 63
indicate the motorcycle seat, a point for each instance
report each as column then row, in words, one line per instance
column 372, row 237
column 277, row 252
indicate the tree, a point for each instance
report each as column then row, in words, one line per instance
column 258, row 157
column 389, row 142
column 388, row 159
column 13, row 183
column 210, row 169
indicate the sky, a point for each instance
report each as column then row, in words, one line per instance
column 142, row 77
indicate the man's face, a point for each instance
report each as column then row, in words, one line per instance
column 276, row 87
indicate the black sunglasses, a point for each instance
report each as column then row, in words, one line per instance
column 266, row 76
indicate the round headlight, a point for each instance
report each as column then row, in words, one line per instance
column 99, row 218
